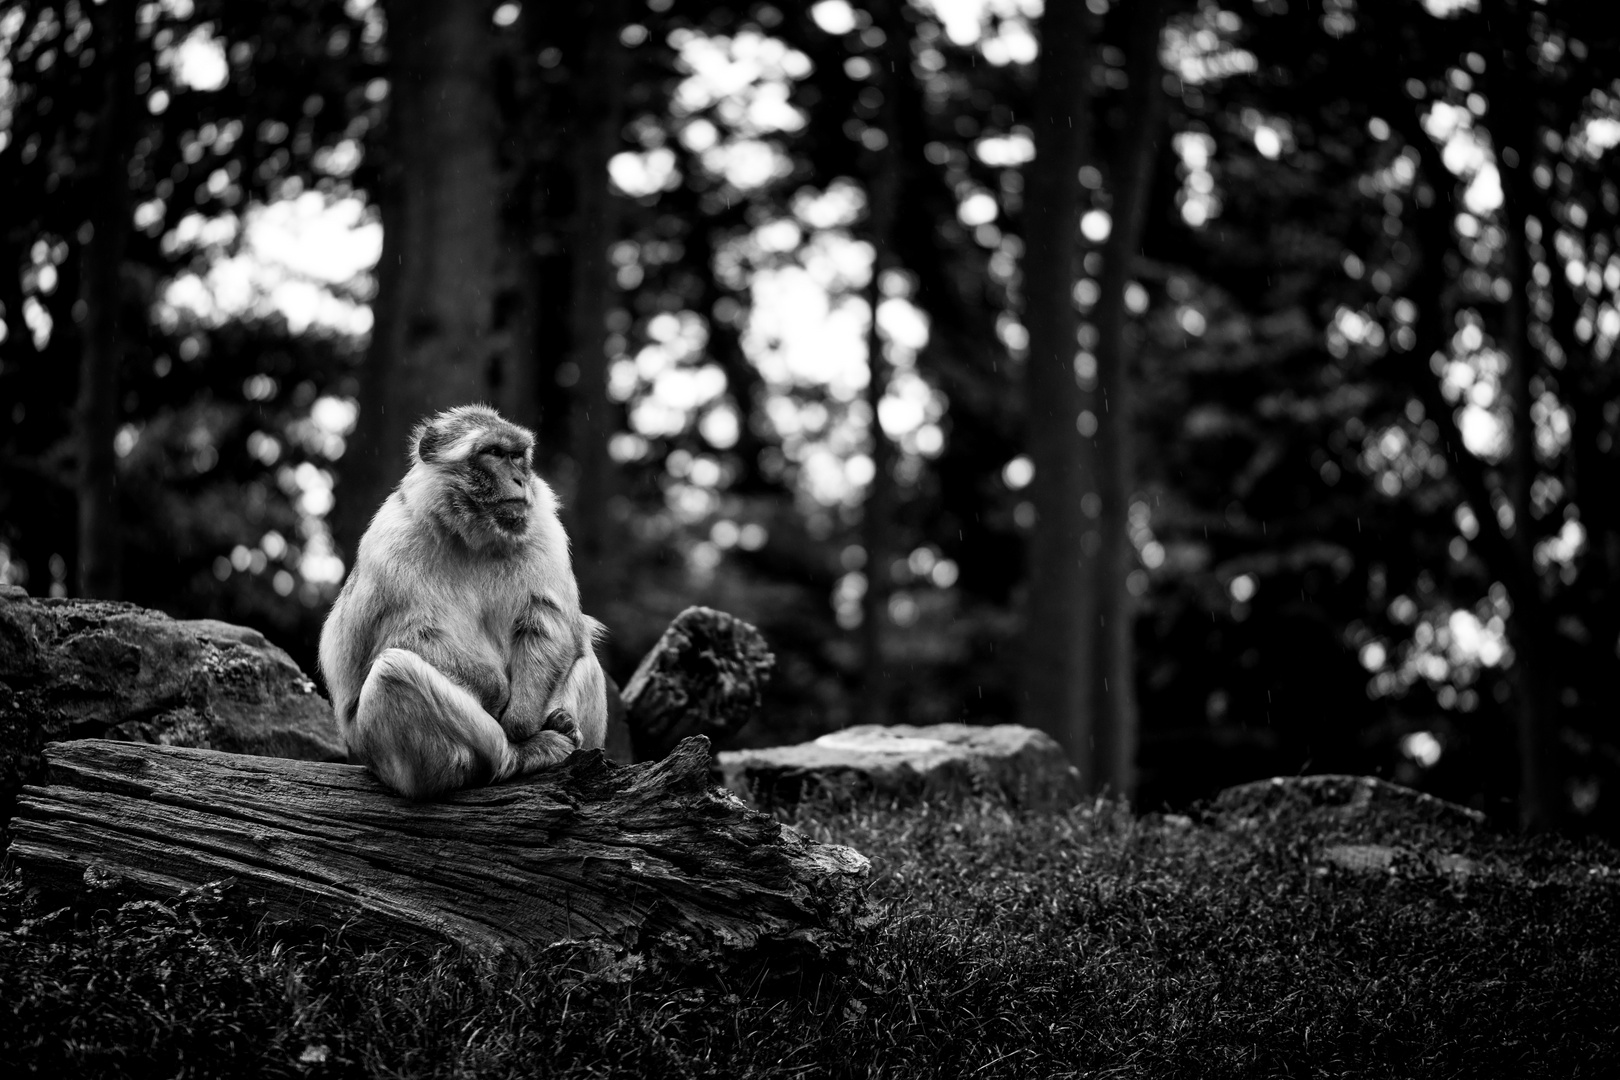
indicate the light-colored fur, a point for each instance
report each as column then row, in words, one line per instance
column 457, row 654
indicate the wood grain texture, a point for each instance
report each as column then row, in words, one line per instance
column 590, row 850
column 705, row 676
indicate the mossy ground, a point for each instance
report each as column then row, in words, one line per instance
column 1010, row 944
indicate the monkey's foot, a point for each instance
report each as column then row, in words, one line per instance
column 544, row 749
column 562, row 722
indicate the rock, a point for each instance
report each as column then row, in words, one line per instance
column 1370, row 804
column 1019, row 763
column 1362, row 857
column 94, row 669
column 1457, row 867
column 1385, row 859
column 1358, row 823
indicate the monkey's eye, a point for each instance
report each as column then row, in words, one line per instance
column 513, row 457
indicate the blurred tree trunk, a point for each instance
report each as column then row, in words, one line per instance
column 1130, row 180
column 596, row 226
column 431, row 344
column 1587, row 385
column 1535, row 694
column 878, row 511
column 100, row 550
column 1508, row 555
column 518, row 364
column 1060, row 627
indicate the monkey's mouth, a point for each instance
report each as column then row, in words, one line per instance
column 509, row 513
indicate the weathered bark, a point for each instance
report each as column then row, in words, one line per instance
column 634, row 855
column 596, row 225
column 1060, row 627
column 100, row 548
column 431, row 342
column 1130, row 180
column 706, row 676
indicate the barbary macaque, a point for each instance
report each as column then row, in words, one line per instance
column 456, row 654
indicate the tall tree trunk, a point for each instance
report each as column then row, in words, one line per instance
column 1535, row 694
column 596, row 225
column 516, row 367
column 431, row 344
column 877, row 513
column 517, row 363
column 1130, row 179
column 1509, row 557
column 1060, row 626
column 1586, row 386
column 100, row 552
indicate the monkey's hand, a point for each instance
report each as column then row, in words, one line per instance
column 562, row 722
column 520, row 729
column 543, row 749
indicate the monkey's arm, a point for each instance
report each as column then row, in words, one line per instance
column 582, row 692
column 454, row 655
column 559, row 694
column 423, row 734
column 575, row 717
column 374, row 613
column 413, row 706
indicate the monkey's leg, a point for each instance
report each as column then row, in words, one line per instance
column 422, row 734
column 574, row 716
column 582, row 696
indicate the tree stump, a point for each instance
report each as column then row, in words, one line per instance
column 706, row 676
column 636, row 855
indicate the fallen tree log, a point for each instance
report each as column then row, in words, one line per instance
column 705, row 676
column 635, row 855
column 89, row 668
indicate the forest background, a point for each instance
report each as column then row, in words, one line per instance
column 1240, row 397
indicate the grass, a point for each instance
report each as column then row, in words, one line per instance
column 1010, row 944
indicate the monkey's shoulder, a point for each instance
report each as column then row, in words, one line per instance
column 547, row 613
column 405, row 548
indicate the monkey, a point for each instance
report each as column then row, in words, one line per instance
column 456, row 653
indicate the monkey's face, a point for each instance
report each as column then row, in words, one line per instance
column 478, row 463
column 498, row 481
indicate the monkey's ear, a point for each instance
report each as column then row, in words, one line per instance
column 430, row 439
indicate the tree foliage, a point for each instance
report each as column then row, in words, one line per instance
column 1352, row 512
